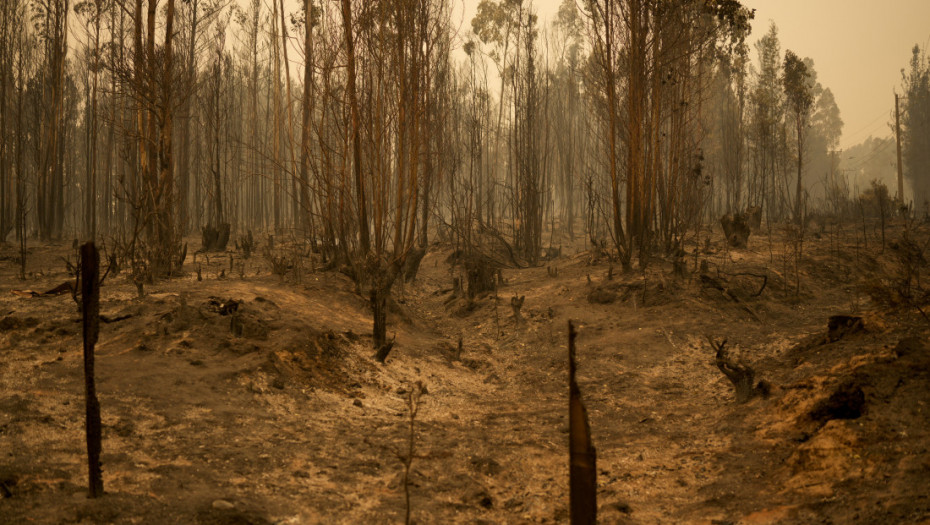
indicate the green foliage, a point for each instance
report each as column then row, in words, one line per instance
column 915, row 123
column 826, row 121
column 734, row 18
column 797, row 85
column 494, row 20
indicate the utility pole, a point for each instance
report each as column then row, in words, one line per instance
column 897, row 133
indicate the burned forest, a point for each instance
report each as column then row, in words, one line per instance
column 464, row 261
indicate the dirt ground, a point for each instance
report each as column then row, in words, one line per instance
column 278, row 413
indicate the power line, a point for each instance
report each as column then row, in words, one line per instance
column 868, row 126
column 873, row 154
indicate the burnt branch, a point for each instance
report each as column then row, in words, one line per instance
column 739, row 373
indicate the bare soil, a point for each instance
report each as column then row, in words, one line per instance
column 278, row 413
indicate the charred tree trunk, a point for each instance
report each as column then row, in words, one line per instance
column 90, row 311
column 582, row 455
column 305, row 130
column 364, row 236
column 378, row 301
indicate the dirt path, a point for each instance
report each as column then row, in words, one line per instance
column 282, row 415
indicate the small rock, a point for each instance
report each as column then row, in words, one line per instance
column 481, row 498
column 222, row 504
column 357, row 402
column 277, row 383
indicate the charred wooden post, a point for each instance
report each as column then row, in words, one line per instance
column 582, row 455
column 90, row 313
column 378, row 301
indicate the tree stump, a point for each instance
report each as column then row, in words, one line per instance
column 736, row 229
column 214, row 238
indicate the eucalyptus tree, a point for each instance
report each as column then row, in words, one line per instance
column 387, row 48
column 568, row 116
column 151, row 80
column 525, row 143
column 51, row 21
column 653, row 61
column 494, row 26
column 767, row 99
column 800, row 99
column 92, row 11
column 915, row 123
column 7, row 76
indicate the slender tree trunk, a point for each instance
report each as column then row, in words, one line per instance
column 365, row 238
column 799, row 191
column 91, row 207
column 184, row 179
column 276, row 118
column 20, row 181
column 6, row 50
column 305, row 131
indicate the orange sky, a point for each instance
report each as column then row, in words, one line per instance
column 859, row 48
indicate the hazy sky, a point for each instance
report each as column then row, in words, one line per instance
column 858, row 46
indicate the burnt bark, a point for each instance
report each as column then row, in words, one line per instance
column 736, row 228
column 378, row 301
column 739, row 373
column 582, row 455
column 214, row 238
column 90, row 310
